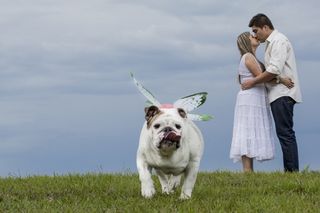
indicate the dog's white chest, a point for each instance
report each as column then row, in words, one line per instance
column 174, row 164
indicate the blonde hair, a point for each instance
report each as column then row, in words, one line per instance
column 244, row 46
column 244, row 43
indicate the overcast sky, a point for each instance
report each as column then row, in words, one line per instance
column 68, row 104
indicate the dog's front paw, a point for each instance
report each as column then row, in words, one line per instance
column 148, row 192
column 185, row 195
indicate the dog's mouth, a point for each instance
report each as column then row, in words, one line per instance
column 170, row 140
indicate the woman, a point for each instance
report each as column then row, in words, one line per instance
column 253, row 133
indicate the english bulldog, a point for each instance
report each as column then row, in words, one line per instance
column 172, row 145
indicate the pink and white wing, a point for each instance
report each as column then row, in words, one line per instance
column 196, row 117
column 146, row 93
column 191, row 102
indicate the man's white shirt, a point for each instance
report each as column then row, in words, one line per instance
column 280, row 60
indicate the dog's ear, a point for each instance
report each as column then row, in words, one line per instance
column 182, row 113
column 151, row 112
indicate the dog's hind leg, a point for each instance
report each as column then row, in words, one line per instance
column 174, row 182
column 164, row 181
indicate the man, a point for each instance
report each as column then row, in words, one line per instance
column 279, row 62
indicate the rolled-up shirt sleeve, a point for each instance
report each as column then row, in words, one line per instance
column 278, row 57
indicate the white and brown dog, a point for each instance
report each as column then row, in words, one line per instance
column 172, row 145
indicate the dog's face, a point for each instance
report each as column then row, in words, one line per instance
column 166, row 127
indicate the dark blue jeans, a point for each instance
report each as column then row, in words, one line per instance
column 282, row 111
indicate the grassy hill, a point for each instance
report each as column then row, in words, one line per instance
column 213, row 192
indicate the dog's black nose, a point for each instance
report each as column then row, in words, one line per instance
column 167, row 129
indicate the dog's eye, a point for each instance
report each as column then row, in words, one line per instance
column 178, row 126
column 156, row 126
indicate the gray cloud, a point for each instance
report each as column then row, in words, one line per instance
column 66, row 91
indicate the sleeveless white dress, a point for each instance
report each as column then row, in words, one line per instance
column 253, row 131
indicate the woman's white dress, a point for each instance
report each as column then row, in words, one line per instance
column 253, row 131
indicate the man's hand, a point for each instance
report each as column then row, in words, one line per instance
column 287, row 82
column 248, row 84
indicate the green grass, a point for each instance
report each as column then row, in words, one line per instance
column 213, row 192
